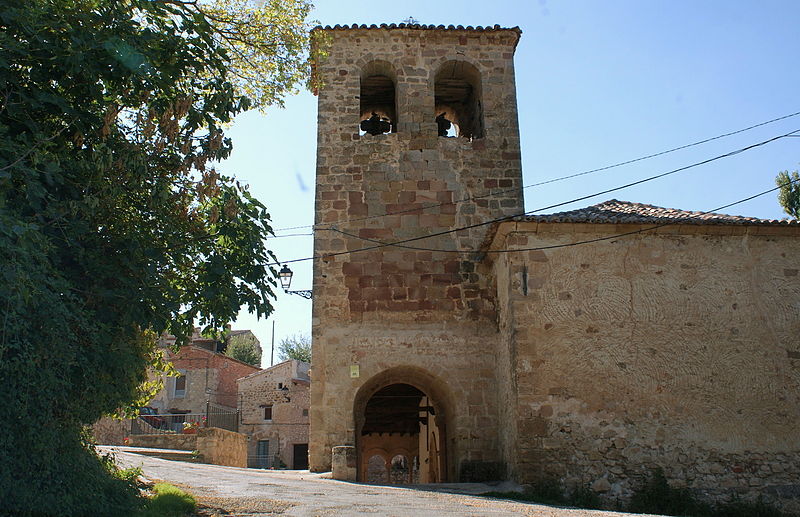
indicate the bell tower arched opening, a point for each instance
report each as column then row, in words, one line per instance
column 378, row 98
column 458, row 100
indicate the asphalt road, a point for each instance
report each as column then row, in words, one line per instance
column 251, row 492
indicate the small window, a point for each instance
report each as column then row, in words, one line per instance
column 267, row 412
column 180, row 385
column 305, row 412
column 280, row 385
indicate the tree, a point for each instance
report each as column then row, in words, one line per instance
column 242, row 347
column 114, row 225
column 295, row 346
column 789, row 193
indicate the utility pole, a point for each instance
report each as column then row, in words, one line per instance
column 272, row 353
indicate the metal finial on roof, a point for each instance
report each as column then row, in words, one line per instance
column 411, row 21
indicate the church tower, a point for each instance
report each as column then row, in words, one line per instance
column 417, row 137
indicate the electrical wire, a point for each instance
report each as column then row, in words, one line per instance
column 530, row 212
column 290, row 235
column 552, row 180
column 590, row 241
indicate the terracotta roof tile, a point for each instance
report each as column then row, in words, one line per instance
column 620, row 212
column 478, row 28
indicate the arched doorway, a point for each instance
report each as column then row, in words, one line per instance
column 401, row 424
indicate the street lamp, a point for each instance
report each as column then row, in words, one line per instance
column 285, row 276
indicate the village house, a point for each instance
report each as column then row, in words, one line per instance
column 207, row 376
column 273, row 406
column 206, row 379
column 205, row 392
column 587, row 348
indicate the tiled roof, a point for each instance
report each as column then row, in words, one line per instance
column 621, row 212
column 418, row 26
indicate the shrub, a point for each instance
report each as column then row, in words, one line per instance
column 169, row 501
column 656, row 496
column 549, row 491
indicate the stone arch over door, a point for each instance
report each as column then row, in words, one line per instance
column 440, row 418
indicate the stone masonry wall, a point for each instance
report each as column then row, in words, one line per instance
column 403, row 307
column 222, row 447
column 289, row 424
column 214, row 445
column 110, row 431
column 674, row 349
column 181, row 442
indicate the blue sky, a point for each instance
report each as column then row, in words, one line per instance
column 598, row 82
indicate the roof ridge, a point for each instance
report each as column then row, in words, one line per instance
column 618, row 211
column 419, row 26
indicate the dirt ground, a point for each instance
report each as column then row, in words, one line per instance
column 235, row 491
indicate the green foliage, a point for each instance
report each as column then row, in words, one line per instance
column 243, row 348
column 789, row 193
column 266, row 51
column 656, row 496
column 740, row 508
column 585, row 497
column 169, row 501
column 296, row 346
column 550, row 492
column 114, row 225
column 131, row 475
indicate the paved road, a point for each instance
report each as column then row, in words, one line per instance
column 253, row 492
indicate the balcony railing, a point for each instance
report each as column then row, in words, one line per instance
column 169, row 423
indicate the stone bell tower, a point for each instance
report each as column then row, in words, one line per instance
column 417, row 136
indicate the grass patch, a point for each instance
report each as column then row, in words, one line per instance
column 169, row 501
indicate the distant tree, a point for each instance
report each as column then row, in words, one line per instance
column 243, row 349
column 789, row 193
column 295, row 346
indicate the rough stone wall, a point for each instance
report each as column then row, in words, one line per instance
column 222, row 447
column 397, row 307
column 214, row 445
column 675, row 349
column 110, row 431
column 505, row 369
column 289, row 424
column 209, row 376
column 181, row 442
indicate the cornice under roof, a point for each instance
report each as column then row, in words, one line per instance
column 614, row 211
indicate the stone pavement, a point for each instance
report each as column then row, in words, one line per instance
column 254, row 492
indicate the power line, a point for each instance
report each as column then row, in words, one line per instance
column 581, row 198
column 552, row 180
column 289, row 235
column 599, row 239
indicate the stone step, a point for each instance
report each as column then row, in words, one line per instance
column 164, row 454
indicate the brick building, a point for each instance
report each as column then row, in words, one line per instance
column 587, row 348
column 273, row 406
column 206, row 376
